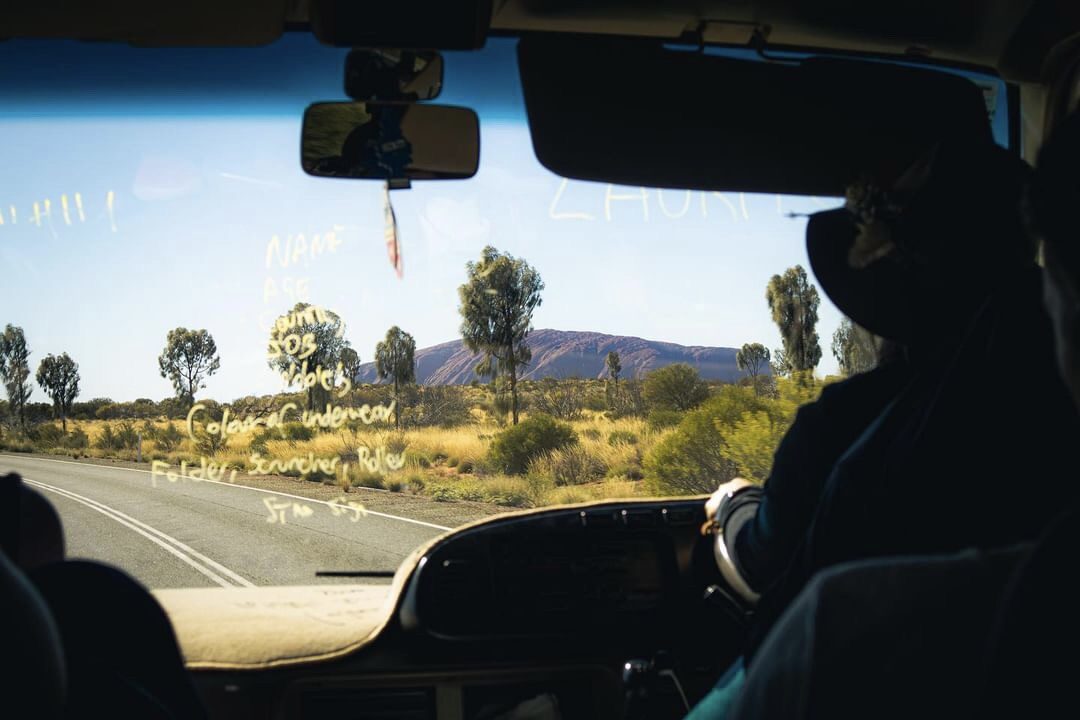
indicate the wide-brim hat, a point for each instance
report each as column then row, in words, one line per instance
column 955, row 216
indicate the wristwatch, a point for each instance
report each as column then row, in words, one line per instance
column 736, row 509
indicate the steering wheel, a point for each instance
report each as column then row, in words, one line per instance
column 735, row 510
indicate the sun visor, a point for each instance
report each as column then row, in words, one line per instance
column 636, row 113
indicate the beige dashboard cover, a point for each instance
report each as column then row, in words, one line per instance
column 265, row 627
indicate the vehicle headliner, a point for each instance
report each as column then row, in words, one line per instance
column 1020, row 39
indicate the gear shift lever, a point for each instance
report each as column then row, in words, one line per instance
column 644, row 697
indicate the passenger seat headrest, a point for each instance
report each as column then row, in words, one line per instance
column 31, row 533
column 34, row 671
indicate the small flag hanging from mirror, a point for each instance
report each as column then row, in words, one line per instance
column 393, row 247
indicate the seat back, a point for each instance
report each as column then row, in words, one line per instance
column 1033, row 664
column 33, row 673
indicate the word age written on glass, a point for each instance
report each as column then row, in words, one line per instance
column 67, row 211
column 291, row 253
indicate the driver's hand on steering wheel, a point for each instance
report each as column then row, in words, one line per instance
column 712, row 505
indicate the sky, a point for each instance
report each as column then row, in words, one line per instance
column 157, row 205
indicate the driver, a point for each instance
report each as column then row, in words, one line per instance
column 943, row 249
column 907, row 637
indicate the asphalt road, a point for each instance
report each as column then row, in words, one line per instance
column 187, row 533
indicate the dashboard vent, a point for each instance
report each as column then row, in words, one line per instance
column 370, row 703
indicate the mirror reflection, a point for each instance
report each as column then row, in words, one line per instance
column 377, row 140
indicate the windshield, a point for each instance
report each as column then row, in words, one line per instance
column 224, row 372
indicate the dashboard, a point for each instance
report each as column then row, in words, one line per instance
column 525, row 615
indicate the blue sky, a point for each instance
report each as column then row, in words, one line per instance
column 200, row 183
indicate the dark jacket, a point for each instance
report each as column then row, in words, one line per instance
column 823, row 430
column 972, row 453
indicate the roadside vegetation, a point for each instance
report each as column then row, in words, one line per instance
column 501, row 439
column 457, row 446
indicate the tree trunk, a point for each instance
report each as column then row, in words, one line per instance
column 63, row 422
column 513, row 387
column 397, row 404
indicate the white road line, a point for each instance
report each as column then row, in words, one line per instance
column 192, row 557
column 232, row 485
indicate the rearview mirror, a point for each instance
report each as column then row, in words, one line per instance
column 406, row 75
column 390, row 141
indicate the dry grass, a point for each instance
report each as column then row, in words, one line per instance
column 446, row 464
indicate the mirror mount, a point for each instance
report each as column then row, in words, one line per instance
column 393, row 75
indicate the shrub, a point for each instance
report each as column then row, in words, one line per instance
column 17, row 445
column 559, row 398
column 395, row 485
column 319, row 476
column 109, row 411
column 591, row 433
column 77, row 439
column 128, row 435
column 516, row 446
column 295, row 432
column 260, row 438
column 752, row 443
column 168, row 438
column 364, row 478
column 210, row 445
column 415, row 484
column 149, row 430
column 442, row 405
column 675, row 387
column 444, row 493
column 508, row 492
column 465, row 466
column 615, row 437
column 88, row 410
column 596, row 401
column 45, row 435
column 692, row 459
column 537, row 488
column 500, row 406
column 106, row 440
column 626, row 399
column 174, row 408
column 628, row 470
column 571, row 465
column 660, row 419
column 396, row 443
